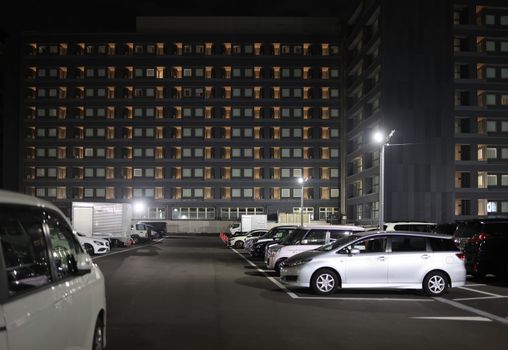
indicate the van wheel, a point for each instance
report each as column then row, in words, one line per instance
column 98, row 335
column 435, row 284
column 239, row 244
column 88, row 248
column 324, row 282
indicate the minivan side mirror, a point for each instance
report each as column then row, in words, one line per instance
column 83, row 263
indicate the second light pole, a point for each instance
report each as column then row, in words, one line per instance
column 381, row 138
column 302, row 182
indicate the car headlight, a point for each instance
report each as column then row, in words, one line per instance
column 98, row 242
column 297, row 262
column 275, row 249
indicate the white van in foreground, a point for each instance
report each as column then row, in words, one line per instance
column 52, row 295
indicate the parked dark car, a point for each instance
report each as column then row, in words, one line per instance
column 274, row 235
column 486, row 250
column 157, row 228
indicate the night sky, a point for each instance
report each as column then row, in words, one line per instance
column 117, row 16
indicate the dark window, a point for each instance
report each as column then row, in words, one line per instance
column 443, row 245
column 24, row 249
column 371, row 245
column 64, row 245
column 413, row 227
column 408, row 244
column 496, row 229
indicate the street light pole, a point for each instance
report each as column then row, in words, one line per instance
column 383, row 140
column 382, row 187
column 302, row 181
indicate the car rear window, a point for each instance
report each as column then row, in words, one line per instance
column 443, row 245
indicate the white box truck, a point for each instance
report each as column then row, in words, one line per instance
column 105, row 220
column 254, row 222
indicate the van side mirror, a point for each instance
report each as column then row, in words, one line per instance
column 83, row 263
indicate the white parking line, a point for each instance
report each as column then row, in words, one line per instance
column 473, row 310
column 273, row 280
column 481, row 292
column 454, row 318
column 480, row 298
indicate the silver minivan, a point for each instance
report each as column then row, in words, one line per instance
column 401, row 260
column 52, row 296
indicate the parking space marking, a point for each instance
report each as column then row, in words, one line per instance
column 472, row 310
column 480, row 298
column 481, row 292
column 367, row 299
column 273, row 280
column 453, row 318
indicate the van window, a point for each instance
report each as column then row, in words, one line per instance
column 443, row 245
column 24, row 249
column 409, row 244
column 371, row 245
column 65, row 247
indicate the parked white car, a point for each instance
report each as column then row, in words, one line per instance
column 305, row 238
column 93, row 245
column 238, row 241
column 401, row 260
column 416, row 226
column 52, row 296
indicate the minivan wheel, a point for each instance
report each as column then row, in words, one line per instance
column 98, row 335
column 88, row 248
column 239, row 244
column 324, row 282
column 435, row 284
column 278, row 263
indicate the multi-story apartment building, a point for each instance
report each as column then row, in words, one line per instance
column 480, row 32
column 448, row 157
column 399, row 77
column 198, row 121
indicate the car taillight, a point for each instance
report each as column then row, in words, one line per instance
column 461, row 256
column 479, row 238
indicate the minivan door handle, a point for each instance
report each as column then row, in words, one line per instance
column 425, row 256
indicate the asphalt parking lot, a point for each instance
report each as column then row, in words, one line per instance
column 191, row 292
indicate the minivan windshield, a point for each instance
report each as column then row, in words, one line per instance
column 339, row 242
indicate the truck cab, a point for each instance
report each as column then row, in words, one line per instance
column 141, row 230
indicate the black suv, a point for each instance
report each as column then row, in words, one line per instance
column 486, row 249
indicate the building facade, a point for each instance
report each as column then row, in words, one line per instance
column 194, row 123
column 480, row 32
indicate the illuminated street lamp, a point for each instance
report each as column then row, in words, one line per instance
column 380, row 138
column 302, row 182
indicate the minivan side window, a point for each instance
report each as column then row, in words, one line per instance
column 315, row 237
column 24, row 249
column 443, row 245
column 65, row 246
column 371, row 245
column 408, row 244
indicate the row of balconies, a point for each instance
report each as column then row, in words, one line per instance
column 182, row 49
column 179, row 112
column 179, row 92
column 182, row 153
column 181, row 193
column 178, row 132
column 177, row 173
column 179, row 72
